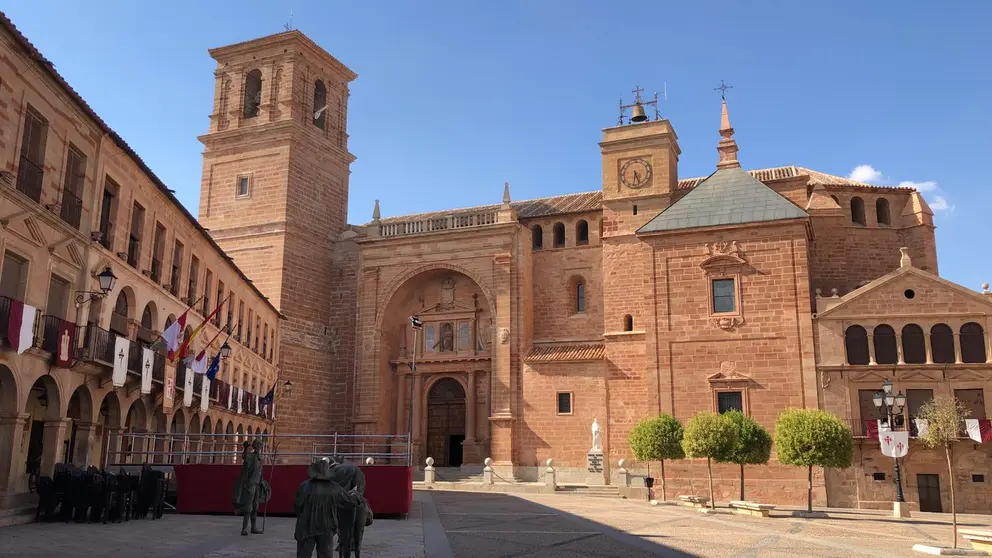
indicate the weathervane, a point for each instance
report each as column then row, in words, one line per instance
column 289, row 26
column 637, row 113
column 723, row 89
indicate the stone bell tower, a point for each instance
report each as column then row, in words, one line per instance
column 274, row 195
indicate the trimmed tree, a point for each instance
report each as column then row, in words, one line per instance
column 944, row 416
column 711, row 436
column 657, row 439
column 812, row 438
column 754, row 443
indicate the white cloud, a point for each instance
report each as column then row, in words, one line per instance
column 926, row 186
column 940, row 203
column 865, row 173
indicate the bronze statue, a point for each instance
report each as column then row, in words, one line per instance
column 315, row 507
column 351, row 508
column 250, row 489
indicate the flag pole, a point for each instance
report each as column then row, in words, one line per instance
column 275, row 453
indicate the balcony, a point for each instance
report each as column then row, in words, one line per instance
column 4, row 315
column 106, row 234
column 133, row 251
column 156, row 270
column 134, row 358
column 158, row 368
column 181, row 372
column 30, row 178
column 174, row 281
column 99, row 345
column 50, row 333
column 859, row 427
column 72, row 208
column 439, row 223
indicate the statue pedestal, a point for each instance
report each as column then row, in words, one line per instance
column 594, row 466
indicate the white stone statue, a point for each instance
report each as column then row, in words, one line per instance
column 595, row 436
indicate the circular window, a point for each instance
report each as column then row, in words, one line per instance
column 910, row 293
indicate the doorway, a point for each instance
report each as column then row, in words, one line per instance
column 446, row 422
column 929, row 487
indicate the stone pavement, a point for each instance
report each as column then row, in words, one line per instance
column 483, row 525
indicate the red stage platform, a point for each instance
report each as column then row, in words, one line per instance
column 208, row 488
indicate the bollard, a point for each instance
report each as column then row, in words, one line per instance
column 429, row 472
column 549, row 477
column 370, row 461
column 624, row 473
column 487, row 473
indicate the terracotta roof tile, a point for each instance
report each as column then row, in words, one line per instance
column 49, row 68
column 571, row 352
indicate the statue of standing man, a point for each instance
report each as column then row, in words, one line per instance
column 595, row 436
column 250, row 489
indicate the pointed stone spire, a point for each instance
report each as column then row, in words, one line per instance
column 727, row 147
column 375, row 212
column 506, row 195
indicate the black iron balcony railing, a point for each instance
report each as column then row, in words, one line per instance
column 100, row 345
column 30, row 177
column 181, row 372
column 156, row 270
column 107, row 234
column 215, row 387
column 197, row 384
column 158, row 368
column 135, row 357
column 174, row 281
column 50, row 333
column 133, row 251
column 4, row 315
column 72, row 208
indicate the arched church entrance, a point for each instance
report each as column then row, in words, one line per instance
column 446, row 422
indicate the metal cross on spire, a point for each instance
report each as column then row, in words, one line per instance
column 723, row 89
column 289, row 26
column 637, row 93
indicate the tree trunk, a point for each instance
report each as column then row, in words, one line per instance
column 809, row 490
column 664, row 497
column 954, row 511
column 709, row 473
column 742, row 482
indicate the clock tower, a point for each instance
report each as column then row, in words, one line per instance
column 640, row 168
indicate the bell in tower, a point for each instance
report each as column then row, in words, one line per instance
column 637, row 112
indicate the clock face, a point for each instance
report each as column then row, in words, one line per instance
column 635, row 173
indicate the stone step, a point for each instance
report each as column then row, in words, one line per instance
column 590, row 491
column 16, row 516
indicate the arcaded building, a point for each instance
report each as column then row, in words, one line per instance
column 757, row 290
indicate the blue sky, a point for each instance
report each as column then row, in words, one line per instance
column 454, row 98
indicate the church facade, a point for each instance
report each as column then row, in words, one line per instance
column 758, row 290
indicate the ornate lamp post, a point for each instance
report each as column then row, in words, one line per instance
column 107, row 280
column 225, row 350
column 890, row 406
column 417, row 325
column 285, row 389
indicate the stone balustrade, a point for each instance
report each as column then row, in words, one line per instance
column 438, row 223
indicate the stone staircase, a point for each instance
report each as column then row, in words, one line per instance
column 16, row 509
column 591, row 491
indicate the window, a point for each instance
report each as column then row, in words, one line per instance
column 158, row 252
column 253, row 93
column 177, row 269
column 134, row 240
column 251, row 317
column 258, row 329
column 914, row 350
column 856, row 344
column 942, row 344
column 31, row 168
column 723, row 296
column 13, row 276
column 207, row 309
column 635, row 209
column 884, row 339
column 972, row 340
column 319, row 104
column 882, row 211
column 729, row 401
column 559, row 235
column 147, row 321
column 915, row 400
column 58, row 297
column 564, row 402
column 878, row 476
column 537, row 237
column 220, row 301
column 582, row 233
column 241, row 318
column 194, row 273
column 72, row 191
column 244, row 186
column 580, row 297
column 108, row 213
column 972, row 399
column 628, row 323
column 857, row 211
column 265, row 340
column 977, row 478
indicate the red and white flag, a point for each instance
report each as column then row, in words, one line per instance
column 979, row 430
column 173, row 335
column 894, row 444
column 21, row 326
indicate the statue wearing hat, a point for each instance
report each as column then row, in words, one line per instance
column 250, row 489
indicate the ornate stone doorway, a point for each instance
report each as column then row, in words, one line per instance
column 446, row 422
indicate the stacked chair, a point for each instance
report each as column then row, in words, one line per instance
column 99, row 496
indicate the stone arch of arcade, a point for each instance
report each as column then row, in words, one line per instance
column 453, row 348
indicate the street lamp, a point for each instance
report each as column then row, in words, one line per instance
column 107, row 280
column 287, row 388
column 417, row 325
column 225, row 350
column 890, row 406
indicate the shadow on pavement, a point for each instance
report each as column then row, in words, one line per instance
column 482, row 525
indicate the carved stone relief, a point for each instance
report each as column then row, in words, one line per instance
column 728, row 323
column 504, row 335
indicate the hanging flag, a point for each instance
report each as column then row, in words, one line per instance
column 871, row 429
column 231, row 390
column 173, row 334
column 188, row 340
column 188, row 390
column 122, row 348
column 147, row 363
column 204, row 394
column 922, row 427
column 979, row 430
column 66, row 334
column 267, row 400
column 199, row 364
column 20, row 326
column 213, row 368
column 241, row 398
column 894, row 443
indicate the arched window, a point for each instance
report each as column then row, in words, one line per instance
column 537, row 237
column 559, row 234
column 253, row 93
column 580, row 297
column 856, row 344
column 884, row 339
column 582, row 232
column 858, row 210
column 121, row 306
column 882, row 211
column 628, row 323
column 914, row 349
column 942, row 344
column 972, row 343
column 146, row 318
column 319, row 104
